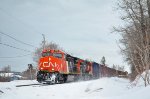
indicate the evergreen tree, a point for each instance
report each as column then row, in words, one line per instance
column 103, row 60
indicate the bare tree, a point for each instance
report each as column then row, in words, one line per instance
column 51, row 45
column 118, row 67
column 29, row 73
column 5, row 74
column 136, row 35
column 6, row 69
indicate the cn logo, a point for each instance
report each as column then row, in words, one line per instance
column 47, row 64
column 52, row 64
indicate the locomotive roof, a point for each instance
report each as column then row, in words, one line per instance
column 52, row 50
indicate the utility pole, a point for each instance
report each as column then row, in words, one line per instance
column 43, row 41
column 30, row 69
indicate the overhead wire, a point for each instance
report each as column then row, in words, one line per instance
column 25, row 24
column 12, row 16
column 28, row 26
column 17, row 56
column 14, row 47
column 17, row 40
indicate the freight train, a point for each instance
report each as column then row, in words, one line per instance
column 55, row 66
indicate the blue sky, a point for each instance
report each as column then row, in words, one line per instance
column 81, row 27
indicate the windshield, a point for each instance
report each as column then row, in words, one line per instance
column 46, row 54
column 57, row 55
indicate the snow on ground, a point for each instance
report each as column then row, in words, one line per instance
column 104, row 88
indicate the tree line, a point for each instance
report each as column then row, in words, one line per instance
column 135, row 32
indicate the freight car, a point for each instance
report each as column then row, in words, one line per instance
column 55, row 66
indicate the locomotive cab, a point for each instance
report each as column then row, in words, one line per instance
column 52, row 60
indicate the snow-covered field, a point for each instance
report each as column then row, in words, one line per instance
column 104, row 88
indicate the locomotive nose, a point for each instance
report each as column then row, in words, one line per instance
column 44, row 63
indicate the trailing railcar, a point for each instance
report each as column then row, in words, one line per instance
column 95, row 70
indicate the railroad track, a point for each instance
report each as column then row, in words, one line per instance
column 40, row 84
column 34, row 85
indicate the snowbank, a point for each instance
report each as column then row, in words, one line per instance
column 105, row 88
column 139, row 82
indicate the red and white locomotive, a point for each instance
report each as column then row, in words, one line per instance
column 55, row 66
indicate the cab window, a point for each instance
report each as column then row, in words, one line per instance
column 57, row 55
column 46, row 54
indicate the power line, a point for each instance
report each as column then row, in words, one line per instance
column 25, row 24
column 16, row 56
column 0, row 38
column 43, row 41
column 16, row 39
column 14, row 47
